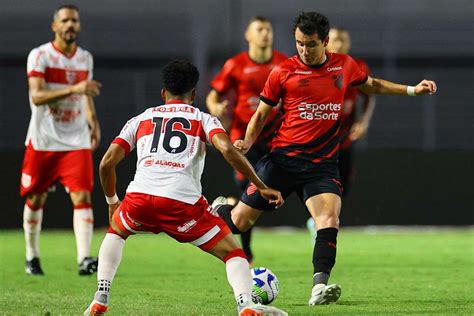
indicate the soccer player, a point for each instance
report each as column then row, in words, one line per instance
column 245, row 74
column 62, row 133
column 165, row 194
column 311, row 85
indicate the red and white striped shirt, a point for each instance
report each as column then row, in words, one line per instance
column 59, row 125
column 171, row 148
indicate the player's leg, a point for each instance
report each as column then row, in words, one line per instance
column 83, row 224
column 110, row 256
column 32, row 220
column 38, row 174
column 76, row 174
column 325, row 209
column 239, row 276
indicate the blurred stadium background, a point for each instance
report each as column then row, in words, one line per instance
column 415, row 167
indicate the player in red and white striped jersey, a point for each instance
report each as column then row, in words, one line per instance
column 62, row 133
column 311, row 86
column 165, row 194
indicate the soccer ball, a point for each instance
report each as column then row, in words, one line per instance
column 265, row 286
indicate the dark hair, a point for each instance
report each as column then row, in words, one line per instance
column 312, row 22
column 258, row 18
column 64, row 6
column 179, row 77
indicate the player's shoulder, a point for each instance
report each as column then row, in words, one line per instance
column 288, row 64
column 362, row 63
column 41, row 49
column 83, row 52
column 336, row 57
column 237, row 60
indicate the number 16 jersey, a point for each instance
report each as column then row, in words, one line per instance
column 170, row 141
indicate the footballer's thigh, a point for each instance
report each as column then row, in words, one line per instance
column 325, row 209
column 244, row 216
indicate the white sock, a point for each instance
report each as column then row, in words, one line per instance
column 110, row 255
column 240, row 279
column 83, row 222
column 32, row 220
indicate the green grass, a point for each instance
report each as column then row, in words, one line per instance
column 381, row 273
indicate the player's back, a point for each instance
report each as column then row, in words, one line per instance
column 171, row 146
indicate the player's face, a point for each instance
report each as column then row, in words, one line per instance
column 310, row 48
column 339, row 42
column 66, row 25
column 260, row 34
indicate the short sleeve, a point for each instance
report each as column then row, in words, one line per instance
column 90, row 66
column 211, row 126
column 224, row 80
column 271, row 93
column 355, row 74
column 36, row 64
column 127, row 137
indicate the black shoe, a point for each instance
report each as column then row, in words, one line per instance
column 88, row 266
column 33, row 267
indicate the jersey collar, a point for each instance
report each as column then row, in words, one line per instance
column 315, row 66
column 175, row 102
column 62, row 52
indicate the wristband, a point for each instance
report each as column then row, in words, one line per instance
column 411, row 91
column 112, row 200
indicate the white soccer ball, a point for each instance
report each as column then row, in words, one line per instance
column 265, row 286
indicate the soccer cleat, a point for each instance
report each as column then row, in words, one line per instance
column 33, row 267
column 261, row 310
column 323, row 294
column 220, row 200
column 88, row 266
column 99, row 304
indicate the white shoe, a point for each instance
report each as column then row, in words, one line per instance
column 323, row 294
column 219, row 201
column 261, row 310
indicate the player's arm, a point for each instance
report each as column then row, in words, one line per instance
column 93, row 122
column 217, row 107
column 381, row 86
column 238, row 161
column 40, row 95
column 108, row 177
column 214, row 104
column 255, row 126
column 360, row 127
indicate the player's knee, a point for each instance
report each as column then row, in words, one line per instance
column 243, row 223
column 235, row 253
column 117, row 232
column 327, row 220
column 36, row 201
column 81, row 197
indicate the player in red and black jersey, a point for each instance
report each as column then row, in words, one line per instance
column 245, row 75
column 304, row 153
column 354, row 125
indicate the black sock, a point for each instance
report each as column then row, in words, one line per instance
column 324, row 254
column 246, row 238
column 224, row 212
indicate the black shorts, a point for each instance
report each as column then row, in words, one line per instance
column 256, row 152
column 289, row 174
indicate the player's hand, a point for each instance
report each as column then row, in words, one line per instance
column 358, row 131
column 112, row 209
column 273, row 196
column 425, row 87
column 95, row 138
column 241, row 145
column 220, row 108
column 88, row 87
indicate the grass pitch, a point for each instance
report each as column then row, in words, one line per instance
column 381, row 273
